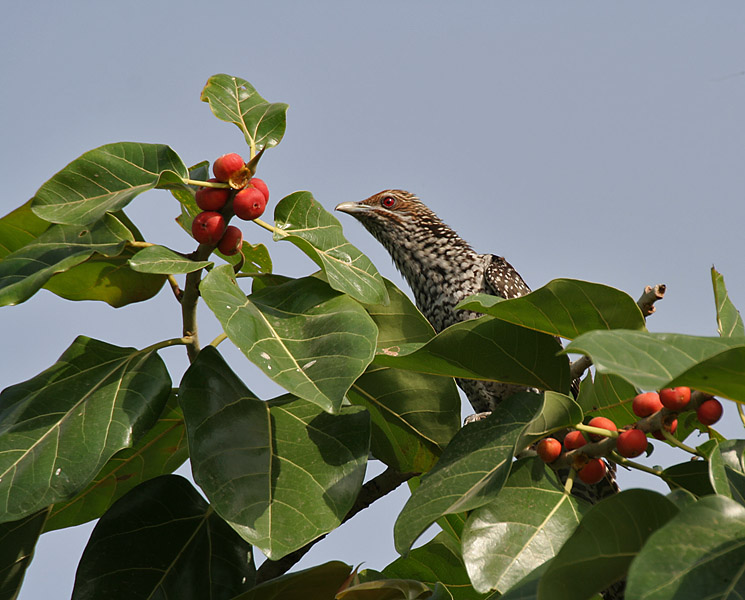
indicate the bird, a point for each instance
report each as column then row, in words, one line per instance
column 442, row 269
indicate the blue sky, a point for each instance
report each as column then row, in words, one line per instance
column 578, row 139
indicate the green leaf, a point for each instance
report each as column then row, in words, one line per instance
column 470, row 472
column 699, row 553
column 527, row 588
column 599, row 552
column 309, row 339
column 162, row 540
column 159, row 259
column 59, row 248
column 563, row 307
column 557, row 412
column 106, row 180
column 398, row 320
column 485, row 348
column 729, row 320
column 691, row 475
column 318, row 582
column 17, row 542
column 653, row 361
column 20, row 227
column 608, row 396
column 318, row 234
column 733, row 452
column 439, row 560
column 162, row 450
column 59, row 428
column 234, row 100
column 281, row 472
column 522, row 528
column 389, row 589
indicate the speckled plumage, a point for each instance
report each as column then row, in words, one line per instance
column 441, row 268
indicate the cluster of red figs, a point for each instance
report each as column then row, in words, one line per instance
column 631, row 442
column 210, row 226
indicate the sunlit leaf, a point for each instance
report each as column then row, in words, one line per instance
column 20, row 227
column 106, row 180
column 324, row 580
column 729, row 320
column 159, row 259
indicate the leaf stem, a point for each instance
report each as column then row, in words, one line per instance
column 272, row 228
column 218, row 340
column 140, row 244
column 175, row 287
column 741, row 413
column 569, row 484
column 676, row 442
column 635, row 465
column 182, row 341
column 209, row 184
column 596, row 430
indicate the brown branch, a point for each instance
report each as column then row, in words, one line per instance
column 649, row 297
column 190, row 299
column 373, row 490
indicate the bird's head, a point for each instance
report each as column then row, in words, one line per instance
column 388, row 212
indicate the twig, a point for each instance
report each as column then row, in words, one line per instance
column 649, row 297
column 175, row 287
column 579, row 366
column 373, row 490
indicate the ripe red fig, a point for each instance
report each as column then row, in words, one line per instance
column 593, row 471
column 261, row 186
column 646, row 404
column 208, row 227
column 574, row 439
column 602, row 423
column 212, row 198
column 675, row 398
column 249, row 204
column 631, row 443
column 549, row 449
column 226, row 165
column 231, row 242
column 709, row 411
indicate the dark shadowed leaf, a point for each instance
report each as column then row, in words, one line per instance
column 159, row 259
column 599, row 552
column 389, row 589
column 485, row 348
column 691, row 475
column 59, row 428
column 308, row 338
column 699, row 553
column 470, row 472
column 17, row 542
column 106, row 180
column 281, row 472
column 608, row 396
column 557, row 412
column 564, row 307
column 316, row 583
column 162, row 540
column 439, row 560
column 734, row 466
column 523, row 527
column 729, row 320
column 59, row 248
column 234, row 100
column 655, row 360
column 318, row 233
column 162, row 450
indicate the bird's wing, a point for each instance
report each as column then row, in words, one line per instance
column 503, row 279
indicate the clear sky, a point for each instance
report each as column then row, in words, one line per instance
column 599, row 141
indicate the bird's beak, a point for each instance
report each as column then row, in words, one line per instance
column 352, row 208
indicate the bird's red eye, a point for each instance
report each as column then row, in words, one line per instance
column 388, row 201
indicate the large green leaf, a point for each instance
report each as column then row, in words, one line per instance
column 305, row 223
column 309, row 339
column 699, row 553
column 106, row 180
column 655, row 360
column 599, row 552
column 162, row 450
column 59, row 248
column 316, row 583
column 470, row 472
column 20, row 227
column 690, row 475
column 159, row 259
column 522, row 528
column 234, row 100
column 564, row 307
column 59, row 428
column 439, row 560
column 17, row 542
column 556, row 412
column 162, row 540
column 608, row 396
column 485, row 348
column 729, row 321
column 733, row 457
column 281, row 472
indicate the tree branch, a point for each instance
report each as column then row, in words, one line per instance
column 373, row 490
